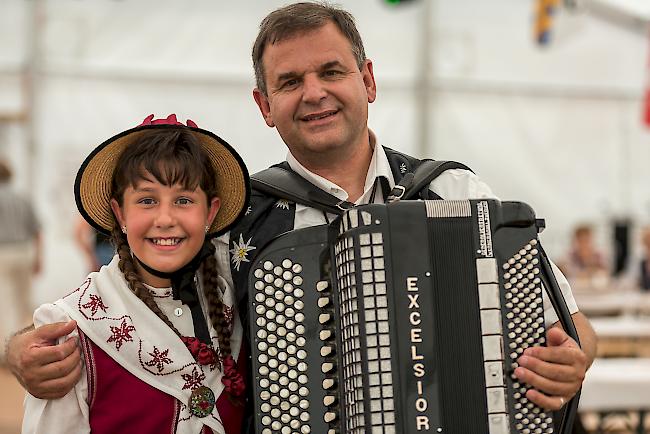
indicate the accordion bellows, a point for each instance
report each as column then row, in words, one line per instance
column 399, row 318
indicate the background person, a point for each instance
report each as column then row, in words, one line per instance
column 20, row 255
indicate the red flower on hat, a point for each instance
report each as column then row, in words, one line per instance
column 170, row 120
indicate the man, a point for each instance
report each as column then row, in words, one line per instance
column 314, row 84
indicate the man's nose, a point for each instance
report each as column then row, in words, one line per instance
column 313, row 89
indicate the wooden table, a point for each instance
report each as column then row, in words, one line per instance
column 622, row 336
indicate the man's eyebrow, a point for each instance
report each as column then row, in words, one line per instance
column 331, row 64
column 287, row 75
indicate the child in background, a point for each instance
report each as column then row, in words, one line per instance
column 161, row 347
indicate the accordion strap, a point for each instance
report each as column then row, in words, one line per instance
column 413, row 183
column 283, row 183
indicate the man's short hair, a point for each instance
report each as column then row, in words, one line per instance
column 304, row 17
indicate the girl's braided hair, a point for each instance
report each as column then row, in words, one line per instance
column 171, row 156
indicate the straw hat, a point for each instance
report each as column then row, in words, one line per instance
column 92, row 186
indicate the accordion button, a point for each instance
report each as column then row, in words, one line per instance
column 328, row 383
column 325, row 335
column 322, row 285
column 326, row 351
column 327, row 367
column 324, row 317
column 323, row 301
column 329, row 417
column 329, row 400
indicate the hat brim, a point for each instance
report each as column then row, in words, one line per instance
column 92, row 186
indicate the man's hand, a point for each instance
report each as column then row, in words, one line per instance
column 46, row 370
column 556, row 371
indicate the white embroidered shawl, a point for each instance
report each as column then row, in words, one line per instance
column 127, row 330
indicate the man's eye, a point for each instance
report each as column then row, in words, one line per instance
column 289, row 83
column 331, row 73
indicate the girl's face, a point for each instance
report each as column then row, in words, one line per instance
column 165, row 226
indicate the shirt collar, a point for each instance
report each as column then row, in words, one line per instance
column 379, row 167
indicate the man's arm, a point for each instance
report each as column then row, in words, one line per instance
column 46, row 370
column 557, row 370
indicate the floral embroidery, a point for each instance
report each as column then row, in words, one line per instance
column 240, row 251
column 95, row 304
column 121, row 334
column 282, row 203
column 159, row 359
column 402, row 168
column 248, row 210
column 193, row 380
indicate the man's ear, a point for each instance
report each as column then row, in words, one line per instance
column 369, row 80
column 265, row 108
column 117, row 211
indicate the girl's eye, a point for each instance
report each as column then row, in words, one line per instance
column 184, row 201
column 146, row 201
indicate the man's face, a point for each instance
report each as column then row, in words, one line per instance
column 316, row 96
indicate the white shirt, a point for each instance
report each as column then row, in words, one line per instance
column 454, row 184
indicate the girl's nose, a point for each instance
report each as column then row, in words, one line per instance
column 165, row 217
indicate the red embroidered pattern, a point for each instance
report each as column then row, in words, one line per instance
column 95, row 304
column 193, row 380
column 228, row 312
column 159, row 359
column 121, row 334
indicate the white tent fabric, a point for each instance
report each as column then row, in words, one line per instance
column 558, row 127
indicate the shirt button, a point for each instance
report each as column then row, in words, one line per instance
column 178, row 311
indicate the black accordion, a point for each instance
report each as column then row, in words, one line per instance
column 400, row 318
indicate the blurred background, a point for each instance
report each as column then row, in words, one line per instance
column 547, row 100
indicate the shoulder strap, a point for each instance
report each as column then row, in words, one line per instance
column 284, row 183
column 428, row 170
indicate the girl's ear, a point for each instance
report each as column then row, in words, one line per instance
column 117, row 211
column 215, row 204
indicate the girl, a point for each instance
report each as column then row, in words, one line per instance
column 161, row 346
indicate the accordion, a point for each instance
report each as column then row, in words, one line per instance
column 400, row 318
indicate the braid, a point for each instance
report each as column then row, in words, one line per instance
column 127, row 267
column 215, row 304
